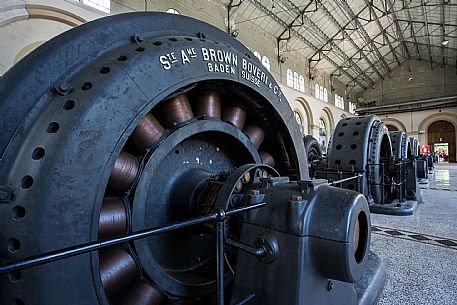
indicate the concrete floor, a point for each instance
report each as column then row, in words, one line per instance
column 420, row 251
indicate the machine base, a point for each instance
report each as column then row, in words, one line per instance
column 405, row 208
column 370, row 286
column 423, row 181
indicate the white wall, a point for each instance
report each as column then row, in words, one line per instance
column 25, row 24
column 420, row 83
column 310, row 107
column 416, row 123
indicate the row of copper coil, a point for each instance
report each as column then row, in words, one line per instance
column 178, row 110
column 119, row 272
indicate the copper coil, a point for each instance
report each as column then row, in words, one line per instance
column 255, row 134
column 139, row 292
column 124, row 172
column 207, row 104
column 147, row 133
column 177, row 110
column 235, row 115
column 117, row 268
column 113, row 218
column 267, row 158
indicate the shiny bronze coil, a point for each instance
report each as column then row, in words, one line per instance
column 235, row 115
column 139, row 292
column 113, row 218
column 255, row 134
column 207, row 104
column 267, row 158
column 177, row 110
column 117, row 268
column 147, row 133
column 124, row 172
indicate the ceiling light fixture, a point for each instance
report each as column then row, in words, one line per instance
column 445, row 42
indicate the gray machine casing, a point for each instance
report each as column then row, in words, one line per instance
column 314, row 259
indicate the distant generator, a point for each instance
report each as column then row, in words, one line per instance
column 366, row 157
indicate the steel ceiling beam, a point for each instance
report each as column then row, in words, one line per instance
column 300, row 15
column 346, row 34
column 432, row 46
column 367, row 44
column 388, row 53
column 411, row 24
column 382, row 29
column 429, row 23
column 443, row 31
column 424, row 13
column 353, row 17
column 334, row 46
column 399, row 32
column 291, row 30
column 231, row 6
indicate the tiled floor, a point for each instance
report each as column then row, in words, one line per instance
column 420, row 251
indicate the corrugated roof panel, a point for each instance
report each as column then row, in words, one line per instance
column 267, row 13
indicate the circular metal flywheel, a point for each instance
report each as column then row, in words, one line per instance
column 361, row 144
column 314, row 153
column 112, row 127
column 414, row 143
column 401, row 147
column 312, row 148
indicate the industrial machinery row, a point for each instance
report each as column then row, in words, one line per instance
column 384, row 166
column 150, row 159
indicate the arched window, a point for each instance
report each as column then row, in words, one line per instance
column 316, row 91
column 266, row 62
column 352, row 107
column 296, row 85
column 173, row 11
column 323, row 135
column 301, row 81
column 102, row 5
column 325, row 95
column 339, row 102
column 290, row 78
column 299, row 120
column 321, row 93
column 257, row 54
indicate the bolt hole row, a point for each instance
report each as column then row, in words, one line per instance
column 353, row 147
column 352, row 162
column 346, row 124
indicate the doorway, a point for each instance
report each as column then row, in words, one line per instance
column 391, row 127
column 441, row 137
